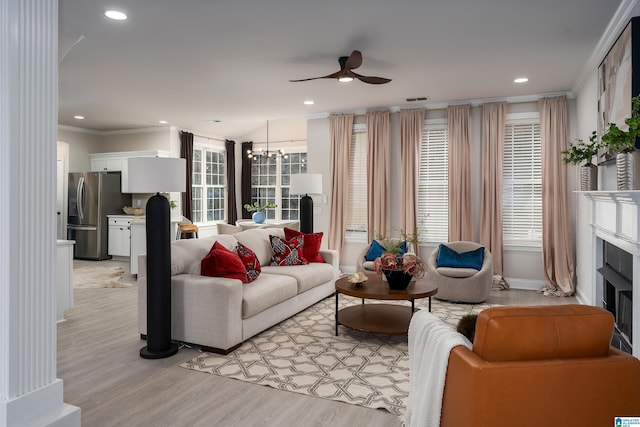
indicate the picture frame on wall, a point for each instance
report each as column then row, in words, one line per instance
column 619, row 79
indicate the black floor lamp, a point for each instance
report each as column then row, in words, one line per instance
column 306, row 183
column 158, row 175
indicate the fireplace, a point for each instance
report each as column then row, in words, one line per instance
column 608, row 259
column 617, row 292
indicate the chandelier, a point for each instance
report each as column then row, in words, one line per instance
column 255, row 154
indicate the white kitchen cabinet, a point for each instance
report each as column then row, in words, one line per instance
column 119, row 161
column 138, row 243
column 105, row 163
column 119, row 235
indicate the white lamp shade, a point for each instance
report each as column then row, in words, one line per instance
column 157, row 175
column 306, row 183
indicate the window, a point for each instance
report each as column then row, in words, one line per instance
column 270, row 179
column 209, row 184
column 433, row 188
column 522, row 184
column 357, row 204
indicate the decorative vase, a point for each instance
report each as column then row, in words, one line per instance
column 397, row 279
column 259, row 217
column 588, row 177
column 628, row 170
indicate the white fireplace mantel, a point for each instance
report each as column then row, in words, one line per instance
column 614, row 217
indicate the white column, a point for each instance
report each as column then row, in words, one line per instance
column 30, row 393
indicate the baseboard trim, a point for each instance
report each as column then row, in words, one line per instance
column 526, row 284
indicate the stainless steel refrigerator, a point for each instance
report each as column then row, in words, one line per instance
column 93, row 196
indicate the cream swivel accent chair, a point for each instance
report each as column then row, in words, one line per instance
column 364, row 265
column 461, row 284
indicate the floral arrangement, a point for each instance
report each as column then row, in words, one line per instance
column 257, row 207
column 408, row 263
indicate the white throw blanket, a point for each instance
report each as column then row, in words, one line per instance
column 430, row 342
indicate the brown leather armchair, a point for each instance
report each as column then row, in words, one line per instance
column 541, row 366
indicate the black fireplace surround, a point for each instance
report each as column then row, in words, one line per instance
column 617, row 293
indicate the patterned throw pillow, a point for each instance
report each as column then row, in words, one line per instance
column 250, row 261
column 221, row 262
column 287, row 252
column 310, row 244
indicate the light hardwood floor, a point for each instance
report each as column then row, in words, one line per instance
column 98, row 359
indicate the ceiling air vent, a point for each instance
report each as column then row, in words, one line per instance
column 420, row 98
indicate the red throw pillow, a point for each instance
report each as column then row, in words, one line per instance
column 310, row 244
column 250, row 261
column 221, row 262
column 287, row 252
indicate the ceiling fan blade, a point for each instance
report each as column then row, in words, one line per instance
column 354, row 60
column 330, row 76
column 371, row 79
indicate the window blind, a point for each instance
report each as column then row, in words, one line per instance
column 522, row 185
column 357, row 216
column 433, row 189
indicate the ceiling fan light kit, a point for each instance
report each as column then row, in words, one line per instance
column 346, row 74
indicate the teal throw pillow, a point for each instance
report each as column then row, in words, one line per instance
column 375, row 251
column 448, row 257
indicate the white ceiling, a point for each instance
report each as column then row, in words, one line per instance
column 192, row 61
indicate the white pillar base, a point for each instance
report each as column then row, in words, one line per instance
column 42, row 407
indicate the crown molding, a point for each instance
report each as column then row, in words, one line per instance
column 116, row 132
column 619, row 20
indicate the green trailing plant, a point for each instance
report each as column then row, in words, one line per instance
column 393, row 245
column 257, row 207
column 580, row 152
column 616, row 140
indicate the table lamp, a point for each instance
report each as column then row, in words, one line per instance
column 158, row 175
column 306, row 183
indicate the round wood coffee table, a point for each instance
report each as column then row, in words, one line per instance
column 380, row 318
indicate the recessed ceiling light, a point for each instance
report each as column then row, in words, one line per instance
column 163, row 122
column 115, row 15
column 521, row 80
column 78, row 117
column 309, row 102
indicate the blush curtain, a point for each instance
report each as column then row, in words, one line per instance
column 340, row 128
column 377, row 173
column 460, row 225
column 494, row 117
column 245, row 179
column 557, row 245
column 186, row 152
column 232, row 209
column 411, row 125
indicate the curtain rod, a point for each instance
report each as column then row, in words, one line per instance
column 208, row 137
column 279, row 142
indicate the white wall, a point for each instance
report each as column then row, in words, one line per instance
column 81, row 144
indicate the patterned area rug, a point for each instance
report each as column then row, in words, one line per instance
column 99, row 277
column 303, row 355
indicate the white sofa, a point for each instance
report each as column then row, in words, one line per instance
column 217, row 313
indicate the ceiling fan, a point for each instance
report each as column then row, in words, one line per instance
column 346, row 74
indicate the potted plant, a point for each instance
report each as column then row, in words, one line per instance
column 258, row 211
column 398, row 263
column 622, row 145
column 581, row 153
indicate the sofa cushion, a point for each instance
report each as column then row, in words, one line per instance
column 250, row 262
column 265, row 292
column 448, row 257
column 375, row 251
column 307, row 276
column 258, row 240
column 221, row 262
column 187, row 254
column 459, row 273
column 287, row 252
column 310, row 244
